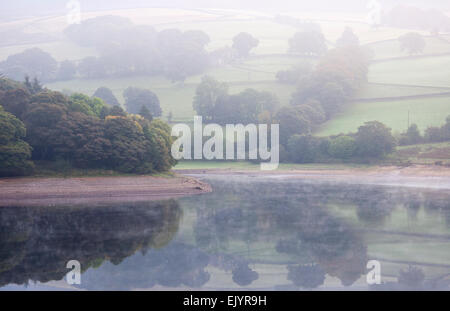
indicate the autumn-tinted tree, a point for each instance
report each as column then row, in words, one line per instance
column 145, row 113
column 15, row 101
column 116, row 111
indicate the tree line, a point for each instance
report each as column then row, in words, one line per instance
column 43, row 125
column 126, row 49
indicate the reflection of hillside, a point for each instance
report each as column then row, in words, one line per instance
column 175, row 265
column 297, row 223
column 36, row 243
column 294, row 219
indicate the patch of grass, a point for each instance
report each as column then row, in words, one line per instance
column 178, row 97
column 63, row 169
column 273, row 37
column 60, row 50
column 371, row 90
column 388, row 49
column 424, row 153
column 428, row 71
column 423, row 112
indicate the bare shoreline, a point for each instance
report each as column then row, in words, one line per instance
column 95, row 190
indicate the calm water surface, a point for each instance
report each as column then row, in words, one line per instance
column 254, row 233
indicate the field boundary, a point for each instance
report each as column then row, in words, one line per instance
column 395, row 98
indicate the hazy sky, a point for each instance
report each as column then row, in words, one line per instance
column 18, row 8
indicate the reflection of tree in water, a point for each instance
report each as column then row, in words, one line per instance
column 412, row 277
column 294, row 218
column 37, row 242
column 374, row 210
column 175, row 265
column 306, row 276
column 298, row 225
column 436, row 204
column 333, row 244
column 243, row 275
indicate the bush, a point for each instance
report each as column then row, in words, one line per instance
column 374, row 140
column 305, row 148
column 342, row 147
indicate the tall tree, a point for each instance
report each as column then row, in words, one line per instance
column 206, row 95
column 243, row 43
column 33, row 62
column 374, row 139
column 67, row 70
column 348, row 38
column 135, row 98
column 15, row 153
column 310, row 43
column 107, row 96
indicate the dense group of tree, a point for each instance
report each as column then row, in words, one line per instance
column 321, row 93
column 432, row 134
column 31, row 62
column 324, row 91
column 308, row 43
column 78, row 129
column 373, row 140
column 404, row 16
column 213, row 102
column 41, row 241
column 125, row 49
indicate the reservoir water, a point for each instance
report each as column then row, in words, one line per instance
column 250, row 233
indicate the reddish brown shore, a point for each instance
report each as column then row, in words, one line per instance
column 93, row 190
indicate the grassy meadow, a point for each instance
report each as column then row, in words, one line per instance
column 392, row 74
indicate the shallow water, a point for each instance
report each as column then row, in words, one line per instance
column 257, row 233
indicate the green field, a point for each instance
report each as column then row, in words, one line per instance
column 419, row 76
column 258, row 73
column 373, row 91
column 391, row 48
column 60, row 50
column 427, row 71
column 424, row 112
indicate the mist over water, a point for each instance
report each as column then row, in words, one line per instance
column 249, row 233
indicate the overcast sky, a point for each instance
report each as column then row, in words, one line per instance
column 18, row 8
